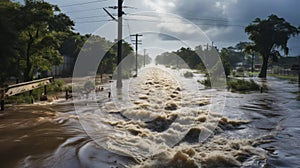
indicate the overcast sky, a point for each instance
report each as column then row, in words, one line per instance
column 222, row 21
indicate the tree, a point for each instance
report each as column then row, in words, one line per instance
column 184, row 58
column 268, row 35
column 235, row 55
column 224, row 55
column 43, row 31
column 8, row 35
column 242, row 45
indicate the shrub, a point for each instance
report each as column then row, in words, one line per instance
column 240, row 70
column 188, row 74
column 206, row 83
column 89, row 85
column 19, row 99
column 242, row 85
column 69, row 88
column 57, row 86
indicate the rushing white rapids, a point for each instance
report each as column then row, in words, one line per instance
column 160, row 118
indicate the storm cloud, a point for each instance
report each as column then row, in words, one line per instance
column 223, row 21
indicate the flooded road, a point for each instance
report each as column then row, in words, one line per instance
column 160, row 121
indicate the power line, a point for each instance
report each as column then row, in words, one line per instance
column 188, row 15
column 188, row 18
column 200, row 24
column 158, row 21
column 83, row 3
column 110, row 15
column 207, row 19
column 129, row 31
column 87, row 17
column 191, row 18
column 94, row 21
column 83, row 10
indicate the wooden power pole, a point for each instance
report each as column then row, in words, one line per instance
column 119, row 59
column 137, row 42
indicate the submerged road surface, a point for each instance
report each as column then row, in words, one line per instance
column 159, row 119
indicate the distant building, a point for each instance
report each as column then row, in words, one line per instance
column 287, row 65
column 288, row 62
column 257, row 67
column 65, row 68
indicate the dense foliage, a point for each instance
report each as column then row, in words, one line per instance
column 269, row 35
column 36, row 36
column 33, row 33
column 188, row 58
column 183, row 58
column 242, row 85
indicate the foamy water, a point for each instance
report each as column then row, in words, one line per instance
column 161, row 119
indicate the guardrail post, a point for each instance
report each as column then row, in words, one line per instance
column 45, row 90
column 2, row 100
column 2, row 105
column 67, row 94
column 31, row 97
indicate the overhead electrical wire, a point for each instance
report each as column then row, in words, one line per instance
column 87, row 17
column 83, row 3
column 93, row 21
column 158, row 21
column 188, row 18
column 98, row 1
column 202, row 24
column 83, row 10
column 130, row 37
column 224, row 21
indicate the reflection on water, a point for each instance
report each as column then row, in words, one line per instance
column 254, row 130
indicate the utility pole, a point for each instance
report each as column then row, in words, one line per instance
column 120, row 25
column 119, row 70
column 137, row 42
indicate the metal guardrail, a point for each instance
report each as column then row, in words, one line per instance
column 23, row 87
column 26, row 86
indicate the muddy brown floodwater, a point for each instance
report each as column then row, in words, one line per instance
column 159, row 121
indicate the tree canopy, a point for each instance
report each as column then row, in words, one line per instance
column 182, row 58
column 38, row 37
column 269, row 35
column 33, row 33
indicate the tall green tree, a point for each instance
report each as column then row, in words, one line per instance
column 43, row 29
column 224, row 55
column 235, row 55
column 8, row 39
column 268, row 35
